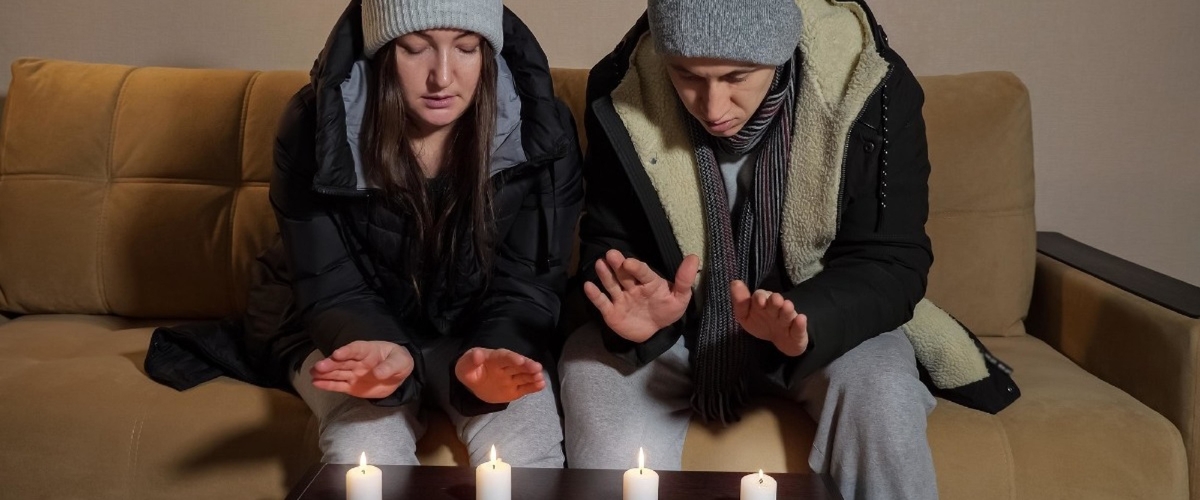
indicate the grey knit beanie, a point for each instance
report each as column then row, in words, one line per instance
column 387, row 20
column 755, row 31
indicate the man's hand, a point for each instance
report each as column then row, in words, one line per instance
column 639, row 302
column 499, row 375
column 770, row 317
column 364, row 369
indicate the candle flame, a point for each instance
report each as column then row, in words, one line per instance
column 641, row 459
column 362, row 460
column 493, row 453
column 760, row 476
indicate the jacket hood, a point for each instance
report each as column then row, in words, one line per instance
column 528, row 125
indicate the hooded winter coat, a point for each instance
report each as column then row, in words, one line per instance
column 853, row 249
column 341, row 272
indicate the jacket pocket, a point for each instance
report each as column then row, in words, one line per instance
column 860, row 193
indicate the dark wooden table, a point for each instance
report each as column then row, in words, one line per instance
column 328, row 482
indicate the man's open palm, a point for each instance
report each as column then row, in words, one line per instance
column 770, row 317
column 636, row 302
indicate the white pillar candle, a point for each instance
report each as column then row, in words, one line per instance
column 364, row 482
column 758, row 487
column 641, row 483
column 493, row 480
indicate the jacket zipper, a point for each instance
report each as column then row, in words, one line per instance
column 659, row 225
column 846, row 147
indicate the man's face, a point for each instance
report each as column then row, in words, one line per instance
column 721, row 94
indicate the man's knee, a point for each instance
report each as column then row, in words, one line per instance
column 585, row 359
column 881, row 380
column 584, row 343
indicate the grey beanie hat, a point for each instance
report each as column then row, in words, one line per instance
column 386, row 20
column 756, row 31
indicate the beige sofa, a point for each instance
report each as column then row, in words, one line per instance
column 135, row 197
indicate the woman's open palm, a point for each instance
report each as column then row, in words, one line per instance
column 499, row 375
column 364, row 369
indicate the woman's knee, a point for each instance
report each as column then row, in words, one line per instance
column 526, row 434
column 387, row 437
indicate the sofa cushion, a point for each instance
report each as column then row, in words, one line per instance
column 1072, row 435
column 100, row 428
column 570, row 85
column 81, row 420
column 112, row 159
column 981, row 194
column 1069, row 436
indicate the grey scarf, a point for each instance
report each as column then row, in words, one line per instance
column 722, row 351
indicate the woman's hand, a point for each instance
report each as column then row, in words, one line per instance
column 639, row 302
column 499, row 375
column 364, row 369
column 770, row 317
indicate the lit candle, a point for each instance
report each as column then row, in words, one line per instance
column 493, row 480
column 364, row 482
column 758, row 487
column 641, row 483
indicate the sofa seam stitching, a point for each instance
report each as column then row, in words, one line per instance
column 237, row 189
column 135, row 449
column 142, row 180
column 313, row 480
column 992, row 213
column 108, row 171
column 129, row 458
column 242, row 125
column 4, row 126
column 1192, row 410
column 3, row 149
column 1008, row 458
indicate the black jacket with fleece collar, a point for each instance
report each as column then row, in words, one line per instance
column 339, row 274
column 854, row 252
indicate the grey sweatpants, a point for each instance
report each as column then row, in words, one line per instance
column 527, row 434
column 870, row 407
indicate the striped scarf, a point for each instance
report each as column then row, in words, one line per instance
column 722, row 351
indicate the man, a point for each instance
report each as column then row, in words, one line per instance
column 779, row 145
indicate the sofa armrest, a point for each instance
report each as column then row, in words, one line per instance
column 1131, row 327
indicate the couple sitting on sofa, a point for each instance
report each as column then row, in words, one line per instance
column 753, row 225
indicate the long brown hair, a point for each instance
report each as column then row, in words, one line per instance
column 390, row 164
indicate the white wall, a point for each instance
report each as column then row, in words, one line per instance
column 1114, row 83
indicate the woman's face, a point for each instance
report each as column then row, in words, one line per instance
column 439, row 71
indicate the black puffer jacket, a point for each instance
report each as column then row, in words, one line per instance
column 339, row 274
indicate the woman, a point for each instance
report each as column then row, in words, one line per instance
column 426, row 186
column 426, row 202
